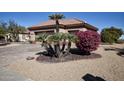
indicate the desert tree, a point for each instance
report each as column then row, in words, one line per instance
column 14, row 29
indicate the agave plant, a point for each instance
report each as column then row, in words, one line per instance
column 58, row 44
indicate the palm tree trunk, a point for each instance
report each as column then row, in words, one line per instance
column 57, row 46
column 57, row 25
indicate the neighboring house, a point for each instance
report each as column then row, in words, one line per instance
column 66, row 26
column 24, row 36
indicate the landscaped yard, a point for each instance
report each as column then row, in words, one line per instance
column 13, row 60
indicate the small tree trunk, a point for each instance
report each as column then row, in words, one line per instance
column 57, row 50
column 63, row 46
column 48, row 48
column 68, row 48
column 52, row 50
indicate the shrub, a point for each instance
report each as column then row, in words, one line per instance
column 106, row 37
column 111, row 35
column 88, row 41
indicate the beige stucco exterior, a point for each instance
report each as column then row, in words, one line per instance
column 60, row 30
column 80, row 29
column 63, row 30
column 23, row 37
column 32, row 36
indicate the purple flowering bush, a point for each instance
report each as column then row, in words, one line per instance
column 88, row 41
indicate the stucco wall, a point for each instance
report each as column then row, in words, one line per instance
column 63, row 30
column 80, row 29
column 32, row 36
column 66, row 30
column 23, row 37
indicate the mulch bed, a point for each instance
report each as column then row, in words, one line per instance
column 71, row 57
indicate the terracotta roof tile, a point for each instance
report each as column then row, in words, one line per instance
column 65, row 22
column 62, row 21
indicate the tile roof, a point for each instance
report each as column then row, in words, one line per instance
column 64, row 22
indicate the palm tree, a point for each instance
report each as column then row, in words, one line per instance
column 56, row 17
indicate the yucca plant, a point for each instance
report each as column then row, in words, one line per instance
column 45, row 43
column 58, row 44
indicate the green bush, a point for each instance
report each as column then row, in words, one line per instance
column 111, row 35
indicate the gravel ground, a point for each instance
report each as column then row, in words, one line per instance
column 109, row 67
column 15, row 53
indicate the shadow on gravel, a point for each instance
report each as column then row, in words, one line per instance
column 89, row 77
column 43, row 53
column 120, row 51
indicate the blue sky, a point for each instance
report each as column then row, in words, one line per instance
column 98, row 19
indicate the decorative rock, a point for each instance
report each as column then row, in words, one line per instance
column 30, row 58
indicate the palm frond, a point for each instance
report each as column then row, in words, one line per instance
column 42, row 37
column 54, row 38
column 56, row 16
column 72, row 38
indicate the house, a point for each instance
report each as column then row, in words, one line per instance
column 25, row 36
column 21, row 37
column 66, row 26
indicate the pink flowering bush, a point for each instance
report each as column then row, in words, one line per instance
column 88, row 41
